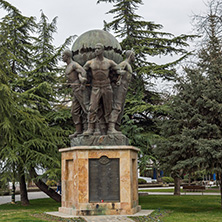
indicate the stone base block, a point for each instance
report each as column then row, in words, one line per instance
column 102, row 140
column 103, row 209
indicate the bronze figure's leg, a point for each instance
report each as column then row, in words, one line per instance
column 93, row 108
column 76, row 116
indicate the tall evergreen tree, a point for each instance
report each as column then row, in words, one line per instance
column 144, row 105
column 15, row 30
column 210, row 60
column 178, row 153
column 144, row 37
column 32, row 133
column 46, row 73
column 194, row 129
column 7, row 108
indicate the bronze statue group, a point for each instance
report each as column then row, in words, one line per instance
column 99, row 92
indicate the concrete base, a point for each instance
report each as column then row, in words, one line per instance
column 62, row 215
column 104, row 209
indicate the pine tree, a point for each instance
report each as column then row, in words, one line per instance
column 46, row 70
column 47, row 76
column 7, row 108
column 194, row 129
column 179, row 153
column 15, row 29
column 30, row 131
column 210, row 60
column 144, row 105
column 144, row 38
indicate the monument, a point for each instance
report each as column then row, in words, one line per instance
column 99, row 170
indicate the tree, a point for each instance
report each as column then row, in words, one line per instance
column 7, row 107
column 210, row 58
column 15, row 30
column 47, row 73
column 193, row 130
column 30, row 127
column 144, row 105
column 178, row 153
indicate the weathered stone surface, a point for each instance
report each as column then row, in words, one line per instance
column 77, row 185
column 102, row 140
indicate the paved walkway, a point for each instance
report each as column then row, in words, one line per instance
column 107, row 218
column 31, row 195
column 104, row 218
column 171, row 193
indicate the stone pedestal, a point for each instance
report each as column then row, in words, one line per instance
column 101, row 140
column 99, row 180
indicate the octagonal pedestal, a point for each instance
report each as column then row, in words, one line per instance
column 99, row 180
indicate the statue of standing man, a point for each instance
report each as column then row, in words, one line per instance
column 120, row 90
column 101, row 89
column 77, row 78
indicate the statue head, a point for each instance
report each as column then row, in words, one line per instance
column 67, row 52
column 130, row 54
column 99, row 49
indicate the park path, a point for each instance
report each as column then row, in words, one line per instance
column 104, row 218
column 107, row 219
column 171, row 193
column 141, row 192
column 31, row 195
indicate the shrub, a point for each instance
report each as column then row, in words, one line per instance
column 168, row 179
column 51, row 183
column 141, row 181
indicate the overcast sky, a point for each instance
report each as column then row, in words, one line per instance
column 79, row 16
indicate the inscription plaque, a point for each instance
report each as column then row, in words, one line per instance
column 104, row 180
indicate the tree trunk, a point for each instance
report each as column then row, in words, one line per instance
column 189, row 176
column 13, row 193
column 43, row 187
column 221, row 189
column 23, row 189
column 177, row 186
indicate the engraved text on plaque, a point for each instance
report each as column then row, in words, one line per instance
column 104, row 180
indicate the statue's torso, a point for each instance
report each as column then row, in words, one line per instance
column 100, row 69
column 71, row 74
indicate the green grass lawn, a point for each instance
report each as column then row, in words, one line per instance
column 182, row 208
column 32, row 213
column 167, row 209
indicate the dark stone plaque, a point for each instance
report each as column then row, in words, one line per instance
column 104, row 180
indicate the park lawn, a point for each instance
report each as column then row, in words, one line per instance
column 32, row 213
column 182, row 208
column 168, row 208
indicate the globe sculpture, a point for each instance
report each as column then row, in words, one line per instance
column 83, row 48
